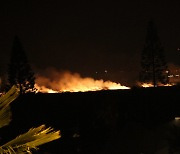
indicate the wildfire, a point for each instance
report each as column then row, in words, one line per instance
column 43, row 89
column 72, row 82
column 146, row 85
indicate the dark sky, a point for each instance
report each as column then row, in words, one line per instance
column 88, row 37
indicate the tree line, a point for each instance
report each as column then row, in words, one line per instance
column 153, row 65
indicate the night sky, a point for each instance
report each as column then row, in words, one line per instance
column 90, row 38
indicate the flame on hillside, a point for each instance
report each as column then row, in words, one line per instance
column 57, row 82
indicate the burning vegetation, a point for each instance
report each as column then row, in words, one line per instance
column 146, row 85
column 56, row 82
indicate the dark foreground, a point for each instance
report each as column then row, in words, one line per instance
column 137, row 121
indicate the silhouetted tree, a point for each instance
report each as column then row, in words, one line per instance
column 19, row 71
column 154, row 67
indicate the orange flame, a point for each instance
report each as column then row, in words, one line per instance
column 146, row 85
column 72, row 82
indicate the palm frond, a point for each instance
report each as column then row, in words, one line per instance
column 5, row 100
column 30, row 140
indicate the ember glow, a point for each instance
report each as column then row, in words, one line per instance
column 146, row 85
column 72, row 82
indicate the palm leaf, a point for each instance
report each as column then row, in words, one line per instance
column 30, row 140
column 5, row 100
column 27, row 141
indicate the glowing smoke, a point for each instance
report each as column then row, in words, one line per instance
column 66, row 81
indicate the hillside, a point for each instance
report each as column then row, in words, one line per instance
column 99, row 122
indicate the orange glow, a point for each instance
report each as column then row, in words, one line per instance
column 72, row 82
column 146, row 85
column 43, row 89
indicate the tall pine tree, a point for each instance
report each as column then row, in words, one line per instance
column 153, row 64
column 19, row 71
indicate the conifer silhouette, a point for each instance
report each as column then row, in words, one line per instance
column 19, row 71
column 153, row 64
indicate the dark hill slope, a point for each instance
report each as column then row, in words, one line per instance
column 98, row 117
